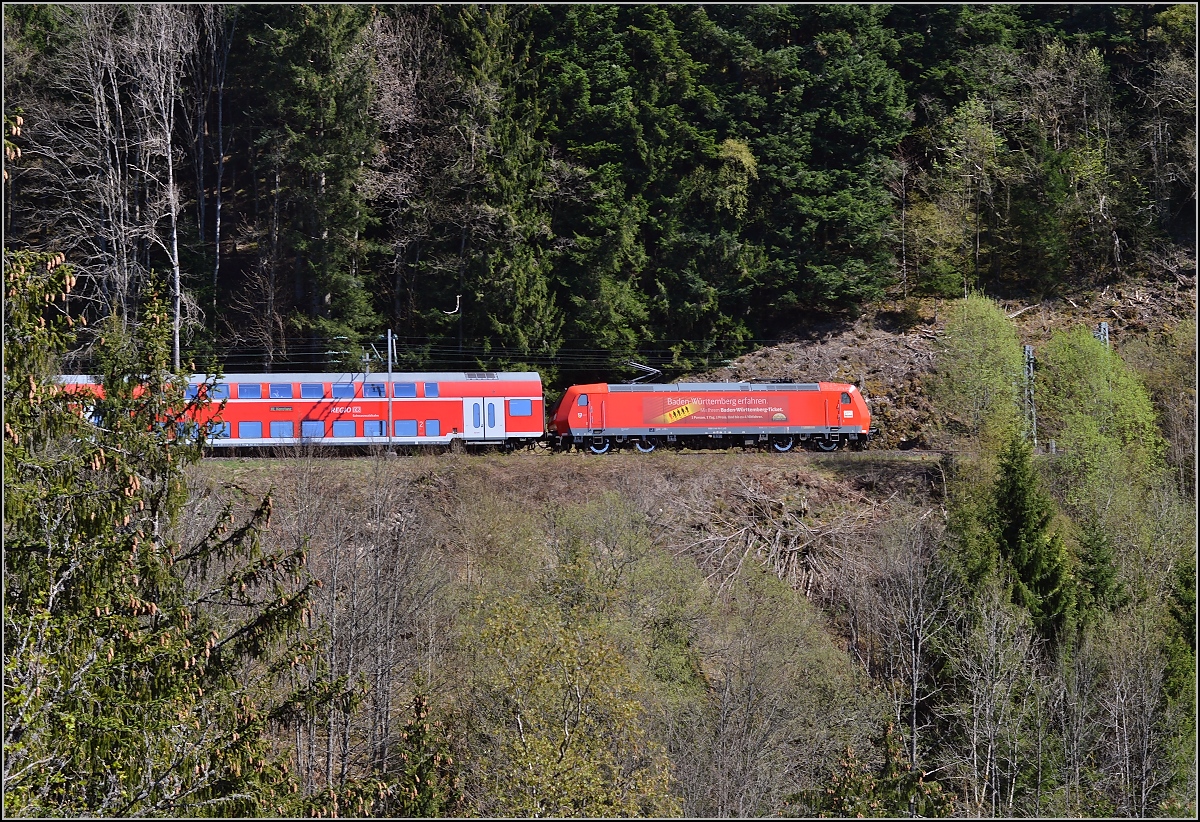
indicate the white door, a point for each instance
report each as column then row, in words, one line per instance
column 483, row 418
column 493, row 413
column 473, row 418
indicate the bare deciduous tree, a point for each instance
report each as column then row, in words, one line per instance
column 100, row 174
column 916, row 591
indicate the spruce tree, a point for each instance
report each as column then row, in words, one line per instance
column 1029, row 544
column 138, row 671
column 428, row 785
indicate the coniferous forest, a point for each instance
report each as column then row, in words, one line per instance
column 991, row 629
column 586, row 183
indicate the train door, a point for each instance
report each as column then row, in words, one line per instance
column 845, row 410
column 595, row 420
column 483, row 418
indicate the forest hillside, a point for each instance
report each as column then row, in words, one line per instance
column 567, row 187
column 988, row 612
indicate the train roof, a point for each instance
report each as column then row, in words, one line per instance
column 353, row 376
column 715, row 386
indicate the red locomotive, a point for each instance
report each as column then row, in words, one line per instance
column 775, row 415
column 507, row 409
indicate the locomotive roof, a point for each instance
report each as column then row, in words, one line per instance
column 718, row 386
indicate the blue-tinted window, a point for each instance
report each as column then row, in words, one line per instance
column 582, row 400
column 343, row 390
column 312, row 391
column 312, row 428
column 491, row 414
column 431, row 389
column 281, row 391
column 476, row 420
column 373, row 389
column 405, row 389
column 433, row 428
column 374, row 428
column 219, row 391
column 282, row 429
column 520, row 408
column 192, row 391
column 343, row 428
column 406, row 428
column 249, row 430
column 249, row 391
column 218, row 430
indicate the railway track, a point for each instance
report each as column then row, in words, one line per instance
column 839, row 456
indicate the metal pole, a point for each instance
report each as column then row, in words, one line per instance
column 388, row 388
column 1030, row 405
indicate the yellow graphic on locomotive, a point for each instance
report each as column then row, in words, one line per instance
column 678, row 413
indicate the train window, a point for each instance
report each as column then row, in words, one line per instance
column 343, row 428
column 312, row 391
column 312, row 428
column 406, row 428
column 283, row 428
column 582, row 400
column 520, row 408
column 249, row 391
column 281, row 391
column 491, row 415
column 249, row 430
column 342, row 390
column 219, row 391
column 431, row 389
column 404, row 389
column 373, row 389
column 374, row 428
column 192, row 391
column 218, row 430
column 433, row 428
column 845, row 398
column 476, row 420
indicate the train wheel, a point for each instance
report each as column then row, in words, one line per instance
column 828, row 445
column 783, row 443
column 645, row 445
column 600, row 447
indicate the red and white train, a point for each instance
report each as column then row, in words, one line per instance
column 508, row 410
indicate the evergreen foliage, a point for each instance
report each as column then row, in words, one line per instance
column 891, row 789
column 139, row 673
column 1028, row 541
column 427, row 785
column 565, row 188
column 591, row 184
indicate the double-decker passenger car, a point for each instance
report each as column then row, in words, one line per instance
column 776, row 415
column 488, row 407
column 475, row 408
